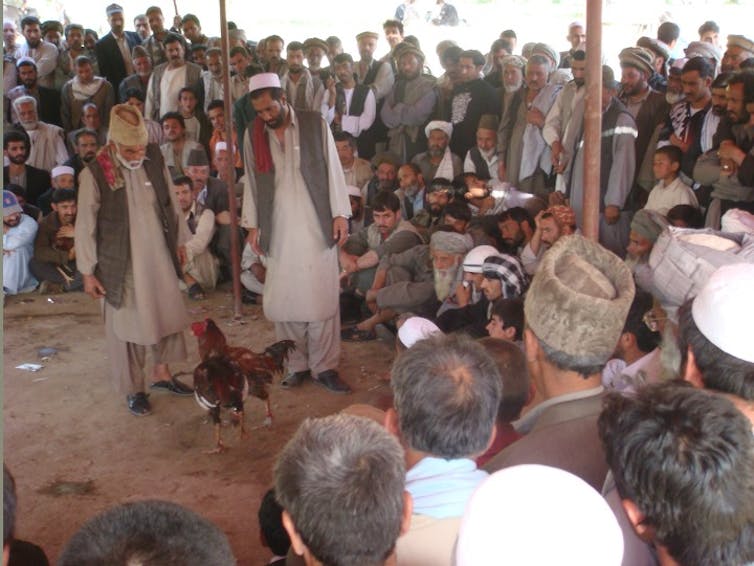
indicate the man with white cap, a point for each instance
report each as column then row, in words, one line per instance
column 129, row 249
column 438, row 160
column 19, row 232
column 739, row 49
column 497, row 524
column 296, row 210
column 575, row 310
column 577, row 38
column 361, row 216
column 47, row 141
column 61, row 177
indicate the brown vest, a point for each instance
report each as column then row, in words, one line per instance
column 314, row 172
column 113, row 241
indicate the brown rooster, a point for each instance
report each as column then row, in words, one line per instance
column 228, row 374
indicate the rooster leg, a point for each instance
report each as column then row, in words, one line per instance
column 242, row 431
column 268, row 418
column 219, row 446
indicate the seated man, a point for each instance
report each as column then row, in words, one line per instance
column 438, row 195
column 361, row 216
column 200, row 270
column 482, row 158
column 447, row 394
column 411, row 191
column 177, row 147
column 516, row 229
column 504, row 278
column 359, row 474
column 61, row 177
column 148, row 532
column 682, row 462
column 356, row 170
column 438, row 161
column 551, row 224
column 507, row 320
column 54, row 261
column 47, row 140
column 19, row 232
column 385, row 177
column 16, row 147
column 28, row 209
column 86, row 146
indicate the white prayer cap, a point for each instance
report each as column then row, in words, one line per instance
column 473, row 261
column 61, row 170
column 416, row 328
column 576, row 24
column 353, row 191
column 264, row 80
column 221, row 146
column 26, row 61
column 446, row 127
column 534, row 514
column 722, row 310
column 736, row 220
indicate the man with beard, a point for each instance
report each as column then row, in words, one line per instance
column 738, row 50
column 513, row 67
column 357, row 171
column 416, row 280
column 61, row 177
column 410, row 191
column 129, row 250
column 352, row 107
column 296, row 212
column 448, row 53
column 409, row 105
column 385, row 177
column 273, row 51
column 44, row 54
column 503, row 277
column 314, row 49
column 19, row 232
column 140, row 79
column 438, row 161
column 376, row 75
column 86, row 149
column 211, row 80
column 176, row 149
column 516, row 229
column 525, row 158
column 472, row 98
column 438, row 195
column 154, row 44
column 47, row 142
column 239, row 82
column 114, row 49
column 54, row 261
column 141, row 25
column 729, row 168
column 551, row 224
column 169, row 78
column 564, row 121
column 48, row 99
column 16, row 147
column 482, row 158
column 717, row 111
column 304, row 90
column 85, row 87
column 646, row 227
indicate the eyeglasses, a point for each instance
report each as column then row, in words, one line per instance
column 652, row 320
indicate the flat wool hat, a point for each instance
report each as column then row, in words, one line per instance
column 488, row 122
column 10, row 204
column 637, row 57
column 197, row 158
column 264, row 80
column 367, row 35
column 127, row 126
column 450, row 242
column 655, row 46
column 703, row 49
column 579, row 298
column 405, row 47
column 547, row 51
column 315, row 42
column 722, row 310
column 740, row 41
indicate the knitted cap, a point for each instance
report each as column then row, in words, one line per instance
column 637, row 57
column 127, row 126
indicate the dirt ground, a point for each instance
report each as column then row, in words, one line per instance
column 75, row 450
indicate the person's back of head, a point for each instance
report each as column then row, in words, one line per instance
column 447, row 393
column 514, row 371
column 270, row 516
column 668, row 33
column 148, row 533
column 643, row 337
column 682, row 460
column 685, row 216
column 340, row 481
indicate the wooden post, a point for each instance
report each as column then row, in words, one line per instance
column 235, row 247
column 592, row 120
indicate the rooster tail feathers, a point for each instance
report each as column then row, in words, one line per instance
column 279, row 351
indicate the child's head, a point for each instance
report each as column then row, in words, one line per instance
column 667, row 162
column 271, row 528
column 685, row 216
column 507, row 319
column 186, row 101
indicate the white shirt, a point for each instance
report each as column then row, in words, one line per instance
column 662, row 198
column 173, row 80
column 354, row 125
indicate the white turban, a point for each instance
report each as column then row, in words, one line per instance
column 446, row 127
column 416, row 328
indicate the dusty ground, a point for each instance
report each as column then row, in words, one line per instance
column 75, row 450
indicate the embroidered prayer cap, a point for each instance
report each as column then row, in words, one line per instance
column 509, row 271
column 547, row 51
column 496, row 525
column 564, row 215
column 221, row 146
column 405, row 47
column 416, row 328
column 10, row 204
column 740, row 41
column 113, row 9
column 445, row 127
column 638, row 58
column 61, row 170
column 654, row 46
column 315, row 42
column 722, row 310
column 514, row 61
column 367, row 35
column 579, row 298
column 264, row 80
column 473, row 261
column 703, row 49
column 649, row 224
column 450, row 242
column 353, row 191
column 197, row 158
column 488, row 122
column 127, row 126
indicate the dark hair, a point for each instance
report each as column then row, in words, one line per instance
column 197, row 47
column 270, row 517
column 413, row 40
column 70, row 27
column 189, row 90
column 341, row 58
column 518, row 214
column 172, row 37
column 721, row 80
column 82, row 60
column 684, row 458
column 440, row 184
column 30, row 20
column 746, row 79
column 136, row 93
column 746, row 64
column 183, row 180
column 173, row 116
column 154, row 9
column 413, row 166
column 646, row 340
column 452, row 53
column 709, row 25
column 217, row 103
column 63, row 195
column 508, row 33
column 295, row 46
column 668, row 32
column 16, row 136
column 579, row 55
column 17, row 190
column 691, row 216
column 386, row 200
column 270, row 38
column 511, row 311
column 28, row 62
column 9, row 504
column 476, row 56
column 345, row 136
column 190, row 18
column 672, row 152
column 701, row 65
column 333, row 40
column 151, row 533
column 514, row 371
column 239, row 49
column 720, row 370
column 503, row 44
column 393, row 24
column 89, row 31
column 458, row 210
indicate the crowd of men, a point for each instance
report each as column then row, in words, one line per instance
column 442, row 214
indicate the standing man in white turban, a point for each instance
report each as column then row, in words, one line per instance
column 129, row 250
column 296, row 209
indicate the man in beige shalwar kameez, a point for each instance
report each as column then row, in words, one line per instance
column 296, row 208
column 128, row 242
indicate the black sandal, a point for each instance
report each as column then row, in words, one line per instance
column 356, row 335
column 196, row 293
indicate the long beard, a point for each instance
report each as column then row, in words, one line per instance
column 444, row 281
column 673, row 98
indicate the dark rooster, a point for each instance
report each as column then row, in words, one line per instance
column 228, row 374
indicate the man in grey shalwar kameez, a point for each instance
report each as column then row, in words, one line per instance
column 296, row 209
column 128, row 242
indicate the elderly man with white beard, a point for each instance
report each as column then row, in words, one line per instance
column 47, row 143
column 417, row 281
